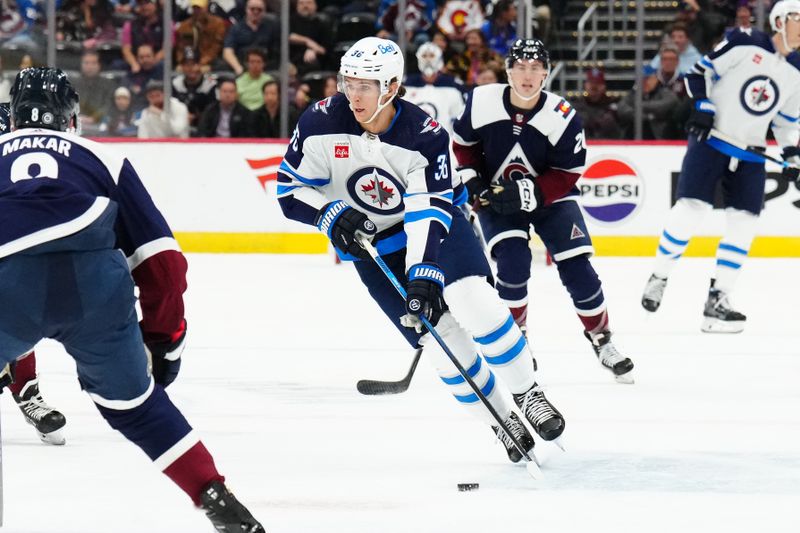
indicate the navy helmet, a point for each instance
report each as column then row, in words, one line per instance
column 43, row 97
column 527, row 50
column 5, row 119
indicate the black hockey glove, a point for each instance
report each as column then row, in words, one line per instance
column 341, row 223
column 791, row 154
column 513, row 197
column 701, row 119
column 476, row 186
column 424, row 295
column 165, row 357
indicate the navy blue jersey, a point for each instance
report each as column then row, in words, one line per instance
column 502, row 143
column 55, row 184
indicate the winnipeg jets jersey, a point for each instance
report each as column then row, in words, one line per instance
column 401, row 179
column 503, row 143
column 752, row 86
column 443, row 99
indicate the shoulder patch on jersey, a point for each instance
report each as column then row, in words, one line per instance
column 430, row 125
column 322, row 106
column 563, row 108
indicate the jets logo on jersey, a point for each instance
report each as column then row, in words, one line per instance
column 759, row 95
column 376, row 190
column 431, row 125
column 515, row 167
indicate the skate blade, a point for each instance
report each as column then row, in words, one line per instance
column 55, row 438
column 715, row 325
column 532, row 467
column 560, row 443
column 625, row 379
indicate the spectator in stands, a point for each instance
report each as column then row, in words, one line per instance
column 597, row 110
column 743, row 21
column 456, row 18
column 687, row 53
column 443, row 41
column 486, row 76
column 267, row 118
column 226, row 117
column 501, row 28
column 542, row 15
column 254, row 30
column 420, row 17
column 119, row 121
column 194, row 88
column 88, row 22
column 302, row 97
column 156, row 122
column 667, row 73
column 473, row 60
column 704, row 21
column 330, row 87
column 658, row 105
column 148, row 70
column 202, row 32
column 96, row 92
column 309, row 38
column 5, row 84
column 250, row 83
column 146, row 28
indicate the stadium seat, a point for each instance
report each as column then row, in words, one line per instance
column 354, row 26
column 316, row 82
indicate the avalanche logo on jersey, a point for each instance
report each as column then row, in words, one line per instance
column 759, row 95
column 515, row 167
column 611, row 191
column 376, row 190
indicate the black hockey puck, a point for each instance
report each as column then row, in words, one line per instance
column 466, row 487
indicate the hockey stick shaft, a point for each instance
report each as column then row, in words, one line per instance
column 435, row 334
column 749, row 149
column 372, row 387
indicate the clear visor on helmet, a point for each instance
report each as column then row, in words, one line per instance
column 358, row 88
column 793, row 16
column 531, row 66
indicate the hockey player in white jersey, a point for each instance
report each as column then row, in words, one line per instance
column 367, row 163
column 747, row 84
column 520, row 151
column 439, row 94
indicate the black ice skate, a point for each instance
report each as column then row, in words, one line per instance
column 47, row 421
column 719, row 316
column 653, row 293
column 520, row 432
column 226, row 512
column 545, row 419
column 610, row 358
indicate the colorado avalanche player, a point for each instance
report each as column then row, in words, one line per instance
column 47, row 421
column 367, row 163
column 520, row 150
column 749, row 83
column 439, row 94
column 68, row 207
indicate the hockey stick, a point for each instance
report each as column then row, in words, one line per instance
column 753, row 151
column 371, row 387
column 531, row 466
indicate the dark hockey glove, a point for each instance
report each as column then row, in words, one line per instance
column 165, row 357
column 424, row 295
column 701, row 119
column 341, row 223
column 513, row 197
column 476, row 186
column 791, row 154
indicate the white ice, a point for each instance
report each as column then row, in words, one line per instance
column 708, row 439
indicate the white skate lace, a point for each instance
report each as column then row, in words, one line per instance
column 516, row 429
column 535, row 406
column 36, row 408
column 609, row 355
column 654, row 290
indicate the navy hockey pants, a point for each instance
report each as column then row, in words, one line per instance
column 84, row 300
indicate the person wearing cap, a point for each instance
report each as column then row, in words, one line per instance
column 155, row 122
column 597, row 109
column 119, row 121
column 202, row 32
column 193, row 87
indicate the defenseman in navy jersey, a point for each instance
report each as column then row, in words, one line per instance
column 749, row 83
column 520, row 150
column 77, row 230
column 368, row 163
column 47, row 421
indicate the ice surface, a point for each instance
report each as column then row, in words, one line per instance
column 708, row 439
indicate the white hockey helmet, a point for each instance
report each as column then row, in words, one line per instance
column 429, row 59
column 372, row 58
